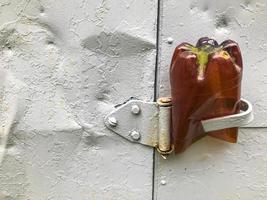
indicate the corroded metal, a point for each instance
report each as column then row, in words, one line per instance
column 152, row 127
column 164, row 137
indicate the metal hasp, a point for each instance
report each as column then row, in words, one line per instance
column 149, row 123
column 146, row 123
column 236, row 120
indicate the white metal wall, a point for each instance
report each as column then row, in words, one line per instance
column 65, row 64
column 212, row 169
column 74, row 60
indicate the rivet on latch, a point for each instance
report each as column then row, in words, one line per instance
column 112, row 121
column 135, row 109
column 135, row 135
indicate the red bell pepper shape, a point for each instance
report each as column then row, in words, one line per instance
column 205, row 83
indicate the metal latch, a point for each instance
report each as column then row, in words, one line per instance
column 149, row 123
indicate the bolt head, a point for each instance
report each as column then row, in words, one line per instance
column 112, row 121
column 170, row 40
column 135, row 109
column 135, row 135
column 163, row 182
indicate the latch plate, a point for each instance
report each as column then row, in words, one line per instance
column 136, row 121
column 148, row 123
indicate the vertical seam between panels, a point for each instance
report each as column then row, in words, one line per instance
column 156, row 88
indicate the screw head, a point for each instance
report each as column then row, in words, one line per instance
column 135, row 109
column 135, row 135
column 170, row 40
column 112, row 121
column 163, row 182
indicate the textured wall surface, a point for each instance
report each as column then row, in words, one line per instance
column 211, row 169
column 64, row 65
column 242, row 20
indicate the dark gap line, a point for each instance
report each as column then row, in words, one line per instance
column 156, row 89
column 157, row 53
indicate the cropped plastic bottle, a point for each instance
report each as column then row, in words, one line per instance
column 205, row 83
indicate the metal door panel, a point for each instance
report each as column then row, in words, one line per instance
column 243, row 21
column 213, row 169
column 74, row 61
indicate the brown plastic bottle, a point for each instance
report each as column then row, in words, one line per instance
column 205, row 83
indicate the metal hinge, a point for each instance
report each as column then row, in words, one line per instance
column 148, row 123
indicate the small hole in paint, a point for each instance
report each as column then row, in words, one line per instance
column 205, row 7
column 50, row 42
column 41, row 9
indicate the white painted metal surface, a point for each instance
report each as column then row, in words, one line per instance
column 241, row 20
column 129, row 124
column 74, row 60
column 65, row 64
column 142, row 122
column 212, row 169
